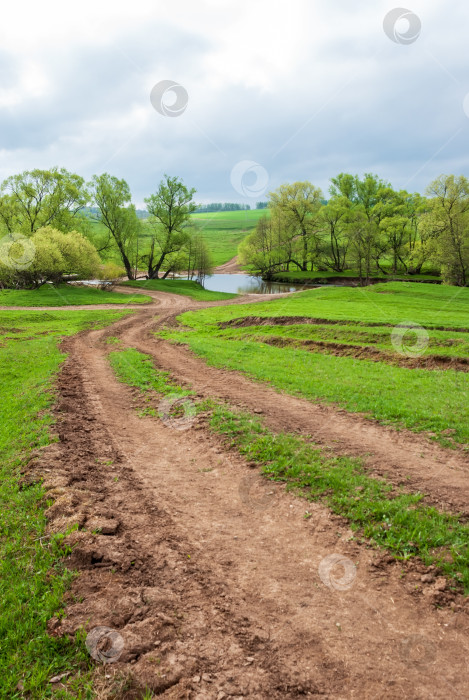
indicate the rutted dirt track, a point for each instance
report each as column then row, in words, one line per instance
column 218, row 585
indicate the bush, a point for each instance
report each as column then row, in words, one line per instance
column 111, row 271
column 46, row 256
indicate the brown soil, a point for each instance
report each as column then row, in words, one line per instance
column 78, row 307
column 366, row 352
column 246, row 321
column 229, row 267
column 218, row 585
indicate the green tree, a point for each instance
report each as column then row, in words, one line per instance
column 199, row 260
column 300, row 204
column 37, row 198
column 271, row 247
column 366, row 244
column 170, row 209
column 112, row 198
column 335, row 222
column 448, row 222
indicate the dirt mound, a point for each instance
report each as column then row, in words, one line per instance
column 430, row 362
column 246, row 321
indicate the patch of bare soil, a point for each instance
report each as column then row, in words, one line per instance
column 230, row 267
column 77, row 307
column 246, row 321
column 430, row 362
column 215, row 583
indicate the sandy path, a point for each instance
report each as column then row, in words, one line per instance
column 218, row 585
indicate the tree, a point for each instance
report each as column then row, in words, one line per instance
column 335, row 222
column 270, row 248
column 448, row 221
column 170, row 209
column 300, row 203
column 361, row 195
column 199, row 260
column 46, row 256
column 112, row 198
column 37, row 198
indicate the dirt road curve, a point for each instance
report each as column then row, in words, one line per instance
column 229, row 267
column 217, row 584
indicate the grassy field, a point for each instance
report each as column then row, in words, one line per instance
column 66, row 295
column 391, row 518
column 32, row 577
column 224, row 231
column 187, row 288
column 421, row 399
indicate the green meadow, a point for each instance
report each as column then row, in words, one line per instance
column 66, row 295
column 420, row 399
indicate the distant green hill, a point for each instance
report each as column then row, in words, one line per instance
column 225, row 230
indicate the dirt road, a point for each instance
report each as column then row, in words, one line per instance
column 216, row 584
column 232, row 266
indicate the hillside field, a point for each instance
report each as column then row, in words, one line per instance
column 223, row 232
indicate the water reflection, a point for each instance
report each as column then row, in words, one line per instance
column 245, row 284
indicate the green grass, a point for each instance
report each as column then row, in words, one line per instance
column 187, row 288
column 441, row 343
column 33, row 579
column 66, row 295
column 418, row 399
column 136, row 369
column 391, row 518
column 432, row 306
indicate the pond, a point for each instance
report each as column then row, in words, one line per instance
column 246, row 284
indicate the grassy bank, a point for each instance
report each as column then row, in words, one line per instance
column 33, row 579
column 187, row 288
column 391, row 518
column 66, row 295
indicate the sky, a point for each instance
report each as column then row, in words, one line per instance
column 236, row 97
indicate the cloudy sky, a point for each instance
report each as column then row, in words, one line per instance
column 271, row 91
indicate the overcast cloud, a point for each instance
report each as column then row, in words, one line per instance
column 306, row 89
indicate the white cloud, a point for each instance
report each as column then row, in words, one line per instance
column 306, row 89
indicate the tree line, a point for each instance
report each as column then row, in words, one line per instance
column 46, row 230
column 365, row 226
column 222, row 206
